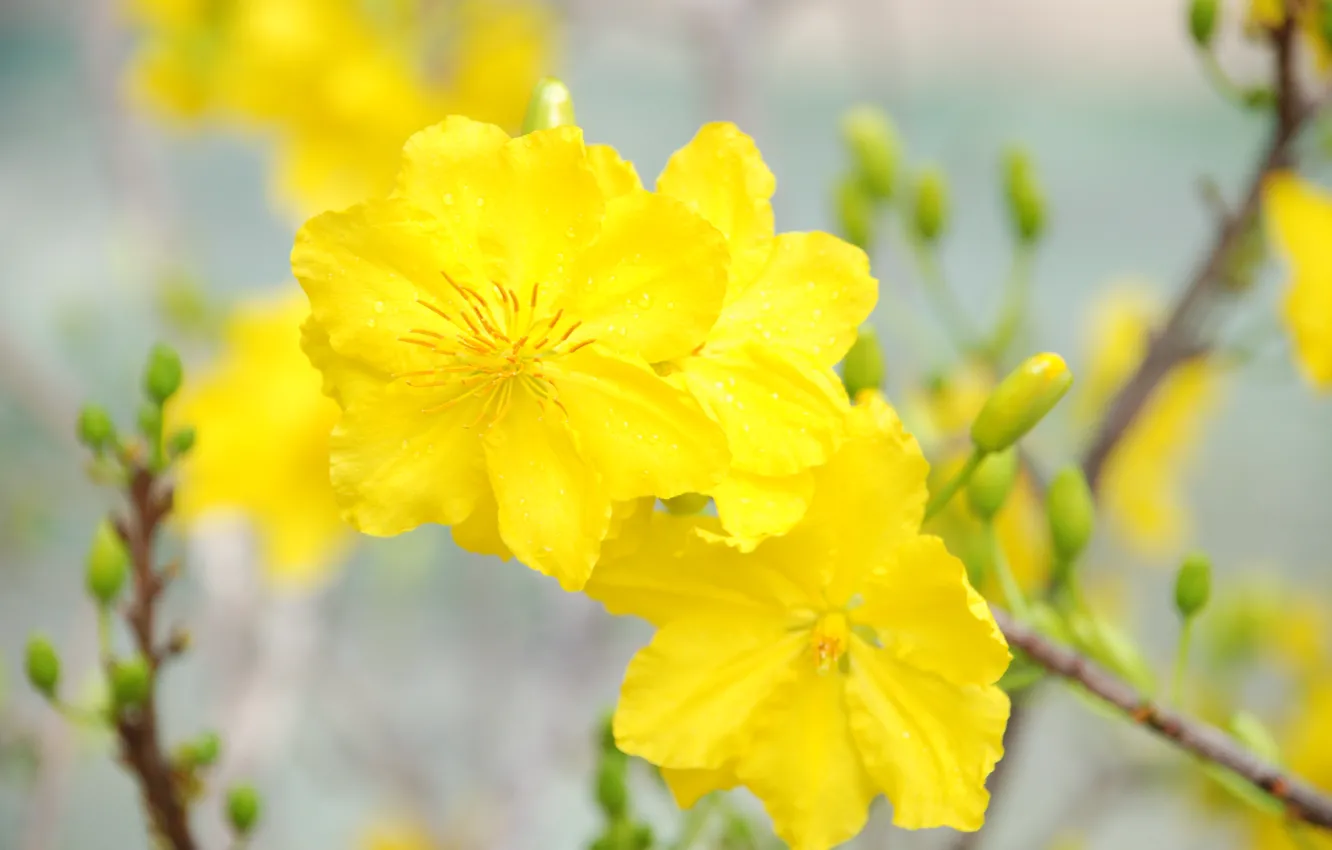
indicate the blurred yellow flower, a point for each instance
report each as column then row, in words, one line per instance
column 396, row 835
column 487, row 331
column 845, row 659
column 1299, row 221
column 1142, row 478
column 1270, row 14
column 262, row 446
column 1307, row 749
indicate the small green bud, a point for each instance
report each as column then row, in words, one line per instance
column 991, row 483
column 95, row 428
column 855, row 212
column 180, row 442
column 1026, row 199
column 1254, row 734
column 1071, row 512
column 551, row 106
column 205, row 749
column 162, row 377
column 863, row 367
column 130, row 681
column 930, row 210
column 243, row 808
column 685, row 504
column 1020, row 401
column 1193, row 585
column 612, row 788
column 875, row 149
column 1202, row 21
column 108, row 564
column 43, row 665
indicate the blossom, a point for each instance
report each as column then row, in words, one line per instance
column 1299, row 221
column 1142, row 477
column 845, row 659
column 262, row 447
column 793, row 304
column 487, row 331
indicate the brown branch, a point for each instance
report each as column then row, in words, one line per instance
column 137, row 728
column 1303, row 802
column 1178, row 339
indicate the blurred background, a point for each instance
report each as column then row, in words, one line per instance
column 420, row 686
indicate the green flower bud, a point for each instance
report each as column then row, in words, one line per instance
column 991, row 483
column 243, row 808
column 1202, row 21
column 855, row 212
column 863, row 367
column 551, row 105
column 1020, row 401
column 43, row 665
column 930, row 210
column 162, row 377
column 1026, row 200
column 108, row 564
column 131, row 680
column 612, row 788
column 95, row 428
column 686, row 504
column 180, row 442
column 205, row 749
column 1193, row 585
column 1071, row 512
column 1254, row 734
column 875, row 149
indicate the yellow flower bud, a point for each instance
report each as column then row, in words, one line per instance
column 862, row 369
column 1020, row 401
column 551, row 106
column 162, row 376
column 875, row 149
column 107, row 564
column 1193, row 585
column 930, row 209
column 686, row 504
column 1026, row 199
column 991, row 483
column 855, row 212
column 1202, row 21
column 43, row 666
column 131, row 680
column 243, row 808
column 1071, row 512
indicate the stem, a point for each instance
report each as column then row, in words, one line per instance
column 1017, row 291
column 942, row 300
column 104, row 633
column 1181, row 662
column 945, row 493
column 1013, row 595
column 1224, row 85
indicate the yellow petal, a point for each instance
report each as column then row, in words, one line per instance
column 553, row 510
column 674, row 573
column 652, row 283
column 446, row 168
column 928, row 616
column 803, row 764
column 690, row 786
column 1299, row 218
column 480, row 533
column 688, row 695
column 721, row 175
column 644, row 436
column 616, row 176
column 782, row 411
column 812, row 295
column 868, row 501
column 929, row 744
column 753, row 507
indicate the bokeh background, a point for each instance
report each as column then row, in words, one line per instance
column 431, row 685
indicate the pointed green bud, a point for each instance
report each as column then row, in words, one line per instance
column 991, row 483
column 1071, row 512
column 180, row 442
column 1020, row 401
column 131, row 679
column 855, row 212
column 686, row 504
column 551, row 105
column 206, row 749
column 1193, row 585
column 243, row 808
column 95, row 428
column 863, row 367
column 1254, row 734
column 107, row 563
column 1202, row 21
column 1024, row 196
column 163, row 374
column 875, row 149
column 929, row 215
column 612, row 787
column 43, row 666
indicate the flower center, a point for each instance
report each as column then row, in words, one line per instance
column 497, row 345
column 829, row 639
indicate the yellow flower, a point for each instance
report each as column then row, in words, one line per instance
column 397, row 834
column 845, row 659
column 1142, row 478
column 793, row 304
column 175, row 69
column 262, row 447
column 487, row 331
column 1299, row 221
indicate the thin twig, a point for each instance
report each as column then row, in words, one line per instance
column 1303, row 802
